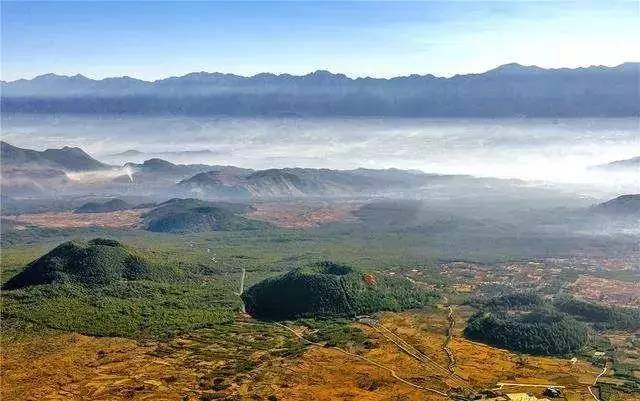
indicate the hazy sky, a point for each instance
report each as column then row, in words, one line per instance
column 152, row 40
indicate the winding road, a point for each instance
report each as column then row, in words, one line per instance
column 604, row 370
column 362, row 358
column 412, row 351
column 445, row 345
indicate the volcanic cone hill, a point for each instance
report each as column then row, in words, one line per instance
column 192, row 215
column 527, row 323
column 95, row 262
column 331, row 289
column 112, row 205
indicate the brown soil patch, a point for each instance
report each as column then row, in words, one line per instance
column 303, row 215
column 615, row 292
column 77, row 367
column 119, row 219
column 330, row 375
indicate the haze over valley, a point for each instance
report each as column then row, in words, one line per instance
column 319, row 201
column 542, row 150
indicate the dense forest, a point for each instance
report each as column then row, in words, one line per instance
column 538, row 332
column 527, row 322
column 602, row 316
column 96, row 262
column 331, row 289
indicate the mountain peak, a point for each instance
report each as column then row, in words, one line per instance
column 67, row 158
column 515, row 68
column 58, row 77
column 509, row 90
column 157, row 163
column 325, row 74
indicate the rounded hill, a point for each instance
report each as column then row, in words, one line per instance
column 192, row 215
column 330, row 289
column 95, row 262
column 624, row 205
column 525, row 322
column 113, row 205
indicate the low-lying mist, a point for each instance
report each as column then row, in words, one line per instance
column 544, row 151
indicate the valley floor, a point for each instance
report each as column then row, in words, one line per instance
column 62, row 366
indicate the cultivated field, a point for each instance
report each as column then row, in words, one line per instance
column 613, row 292
column 304, row 214
column 119, row 219
column 251, row 360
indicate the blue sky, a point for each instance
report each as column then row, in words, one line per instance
column 152, row 40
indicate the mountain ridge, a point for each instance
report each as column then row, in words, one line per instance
column 623, row 164
column 321, row 72
column 508, row 90
column 65, row 158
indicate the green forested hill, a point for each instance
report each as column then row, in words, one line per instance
column 95, row 262
column 109, row 206
column 601, row 316
column 526, row 322
column 331, row 289
column 538, row 332
column 192, row 215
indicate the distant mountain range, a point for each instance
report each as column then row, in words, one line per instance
column 71, row 172
column 27, row 172
column 621, row 165
column 622, row 206
column 66, row 158
column 507, row 91
column 112, row 205
column 137, row 156
column 303, row 182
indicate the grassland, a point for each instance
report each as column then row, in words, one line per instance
column 192, row 328
column 252, row 360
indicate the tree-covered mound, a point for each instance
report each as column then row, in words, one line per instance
column 602, row 317
column 95, row 262
column 538, row 332
column 331, row 289
column 527, row 323
column 110, row 206
column 192, row 215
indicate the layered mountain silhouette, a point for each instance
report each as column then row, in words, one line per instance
column 303, row 182
column 509, row 90
column 622, row 206
column 621, row 165
column 137, row 156
column 112, row 205
column 27, row 171
column 66, row 158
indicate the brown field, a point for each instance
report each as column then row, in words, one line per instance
column 614, row 292
column 75, row 367
column 119, row 219
column 303, row 214
column 329, row 375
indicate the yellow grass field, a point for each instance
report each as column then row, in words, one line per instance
column 77, row 367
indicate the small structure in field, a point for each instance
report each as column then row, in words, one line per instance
column 552, row 392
